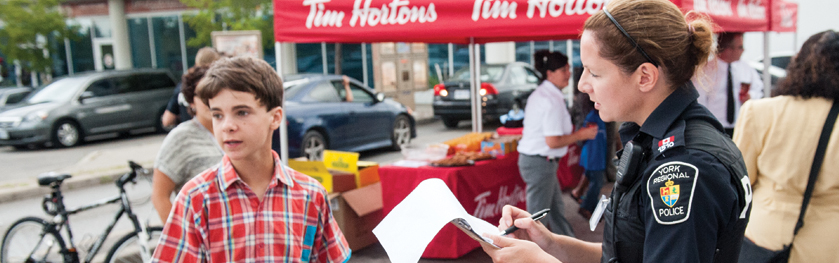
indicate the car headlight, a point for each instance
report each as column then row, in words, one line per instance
column 36, row 116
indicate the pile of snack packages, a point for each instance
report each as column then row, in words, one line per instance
column 465, row 150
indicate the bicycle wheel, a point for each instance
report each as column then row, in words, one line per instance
column 127, row 249
column 28, row 236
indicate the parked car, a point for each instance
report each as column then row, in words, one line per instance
column 318, row 118
column 12, row 95
column 501, row 86
column 778, row 66
column 63, row 112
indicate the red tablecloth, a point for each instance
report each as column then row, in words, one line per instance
column 482, row 189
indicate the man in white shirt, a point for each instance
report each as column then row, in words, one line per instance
column 728, row 82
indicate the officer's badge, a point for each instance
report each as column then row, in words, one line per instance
column 668, row 184
column 669, row 193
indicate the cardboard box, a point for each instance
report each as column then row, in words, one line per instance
column 342, row 181
column 357, row 212
column 340, row 172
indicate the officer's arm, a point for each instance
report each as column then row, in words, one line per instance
column 683, row 206
column 569, row 249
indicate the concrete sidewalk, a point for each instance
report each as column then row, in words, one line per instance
column 104, row 166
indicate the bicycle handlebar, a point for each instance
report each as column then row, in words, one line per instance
column 132, row 175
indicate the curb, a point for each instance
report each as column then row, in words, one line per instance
column 29, row 191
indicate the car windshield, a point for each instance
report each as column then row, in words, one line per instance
column 489, row 73
column 294, row 86
column 59, row 91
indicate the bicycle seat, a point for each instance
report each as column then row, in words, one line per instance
column 46, row 179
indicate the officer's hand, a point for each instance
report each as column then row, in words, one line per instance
column 528, row 229
column 346, row 80
column 514, row 250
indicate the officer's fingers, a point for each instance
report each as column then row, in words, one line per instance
column 510, row 213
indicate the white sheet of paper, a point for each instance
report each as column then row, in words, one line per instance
column 406, row 231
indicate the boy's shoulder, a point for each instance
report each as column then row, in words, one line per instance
column 201, row 183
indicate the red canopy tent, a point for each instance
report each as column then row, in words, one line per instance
column 468, row 22
column 783, row 16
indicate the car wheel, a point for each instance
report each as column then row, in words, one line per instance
column 313, row 145
column 450, row 122
column 401, row 132
column 66, row 134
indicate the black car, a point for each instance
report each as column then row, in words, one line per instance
column 502, row 85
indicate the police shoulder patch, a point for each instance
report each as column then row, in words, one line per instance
column 670, row 188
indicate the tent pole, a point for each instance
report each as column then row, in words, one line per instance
column 364, row 63
column 569, row 47
column 472, row 89
column 477, row 101
column 323, row 55
column 767, row 62
column 283, row 129
column 451, row 61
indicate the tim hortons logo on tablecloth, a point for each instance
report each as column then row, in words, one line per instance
column 787, row 16
column 488, row 209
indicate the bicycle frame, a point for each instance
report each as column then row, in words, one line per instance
column 61, row 220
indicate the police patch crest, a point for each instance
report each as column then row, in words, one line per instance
column 670, row 188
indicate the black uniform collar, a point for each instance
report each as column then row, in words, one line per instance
column 669, row 110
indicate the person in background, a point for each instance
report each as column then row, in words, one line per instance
column 675, row 199
column 176, row 111
column 347, row 91
column 593, row 158
column 250, row 207
column 547, row 133
column 728, row 81
column 187, row 150
column 778, row 137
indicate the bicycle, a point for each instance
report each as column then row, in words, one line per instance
column 33, row 239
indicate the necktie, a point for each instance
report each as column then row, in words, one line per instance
column 730, row 113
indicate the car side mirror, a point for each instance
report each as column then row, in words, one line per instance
column 380, row 96
column 85, row 95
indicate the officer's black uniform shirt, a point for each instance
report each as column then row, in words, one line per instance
column 684, row 201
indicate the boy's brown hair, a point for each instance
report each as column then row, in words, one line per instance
column 243, row 74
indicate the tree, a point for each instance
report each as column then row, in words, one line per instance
column 218, row 15
column 27, row 26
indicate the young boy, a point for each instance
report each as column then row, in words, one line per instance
column 249, row 208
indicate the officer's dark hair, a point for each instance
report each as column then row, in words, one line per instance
column 679, row 44
column 544, row 61
column 814, row 71
column 724, row 40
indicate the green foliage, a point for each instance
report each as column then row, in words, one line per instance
column 26, row 25
column 235, row 14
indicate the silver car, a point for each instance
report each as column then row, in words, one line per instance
column 63, row 112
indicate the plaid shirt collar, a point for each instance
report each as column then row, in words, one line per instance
column 227, row 176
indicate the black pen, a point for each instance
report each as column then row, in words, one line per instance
column 538, row 215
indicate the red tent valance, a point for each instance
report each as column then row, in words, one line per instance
column 456, row 21
column 784, row 16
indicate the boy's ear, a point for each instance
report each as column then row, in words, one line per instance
column 276, row 117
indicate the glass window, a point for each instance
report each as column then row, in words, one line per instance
column 532, row 77
column 102, row 27
column 781, row 62
column 126, row 84
column 138, row 34
column 523, row 52
column 351, row 61
column 102, row 88
column 82, row 48
column 488, row 73
column 323, row 92
column 152, row 81
column 309, row 58
column 57, row 91
column 16, row 97
column 189, row 33
column 438, row 56
column 167, row 43
column 518, row 76
column 360, row 95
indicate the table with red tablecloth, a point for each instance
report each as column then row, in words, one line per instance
column 483, row 189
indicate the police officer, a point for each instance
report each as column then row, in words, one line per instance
column 682, row 194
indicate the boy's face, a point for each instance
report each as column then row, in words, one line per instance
column 242, row 125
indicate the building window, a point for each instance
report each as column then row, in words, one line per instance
column 167, row 44
column 138, row 36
